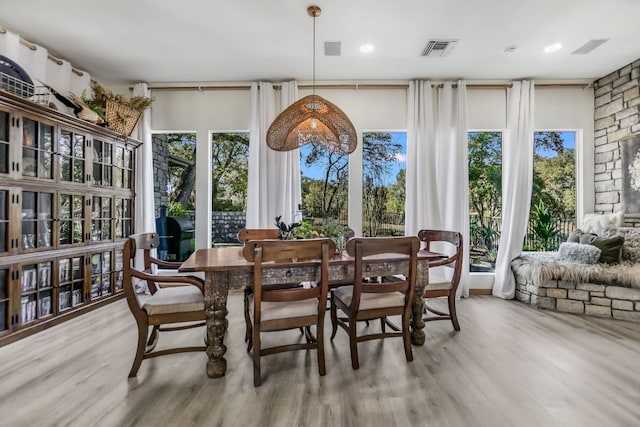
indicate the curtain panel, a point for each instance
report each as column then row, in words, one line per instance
column 437, row 187
column 517, row 178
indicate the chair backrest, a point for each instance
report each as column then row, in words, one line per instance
column 364, row 248
column 247, row 234
column 454, row 261
column 308, row 252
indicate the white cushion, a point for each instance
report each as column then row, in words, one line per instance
column 596, row 223
column 369, row 301
column 283, row 310
column 178, row 299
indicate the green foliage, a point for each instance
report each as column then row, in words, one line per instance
column 176, row 209
column 544, row 227
column 287, row 232
column 230, row 170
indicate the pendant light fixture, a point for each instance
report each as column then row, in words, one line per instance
column 312, row 119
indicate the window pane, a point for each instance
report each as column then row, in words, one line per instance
column 553, row 199
column 383, row 174
column 485, row 198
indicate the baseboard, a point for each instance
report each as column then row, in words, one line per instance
column 480, row 292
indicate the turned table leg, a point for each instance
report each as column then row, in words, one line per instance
column 215, row 304
column 417, row 322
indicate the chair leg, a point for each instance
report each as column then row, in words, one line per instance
column 353, row 343
column 452, row 312
column 143, row 331
column 153, row 339
column 334, row 318
column 322, row 370
column 383, row 324
column 257, row 379
column 406, row 338
column 247, row 318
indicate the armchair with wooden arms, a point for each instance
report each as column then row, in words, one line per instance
column 181, row 303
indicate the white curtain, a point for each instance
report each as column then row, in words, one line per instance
column 517, row 177
column 437, row 195
column 145, row 208
column 274, row 177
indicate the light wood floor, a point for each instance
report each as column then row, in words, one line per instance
column 511, row 365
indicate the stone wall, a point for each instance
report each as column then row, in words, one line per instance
column 225, row 226
column 582, row 298
column 616, row 115
column 160, row 171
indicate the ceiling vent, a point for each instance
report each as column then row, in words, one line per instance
column 588, row 46
column 332, row 48
column 438, row 48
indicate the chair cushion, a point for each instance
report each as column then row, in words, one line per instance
column 369, row 301
column 177, row 299
column 284, row 310
column 437, row 281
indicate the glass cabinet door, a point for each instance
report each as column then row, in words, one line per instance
column 71, row 213
column 118, row 270
column 101, row 273
column 102, row 163
column 37, row 219
column 37, row 149
column 36, row 292
column 4, row 220
column 4, row 299
column 71, row 282
column 101, row 217
column 71, row 151
column 4, row 142
column 123, row 218
column 123, row 167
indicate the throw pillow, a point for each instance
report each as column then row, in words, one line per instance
column 579, row 253
column 610, row 247
column 579, row 236
column 595, row 223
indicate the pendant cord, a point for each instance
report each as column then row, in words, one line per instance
column 314, row 56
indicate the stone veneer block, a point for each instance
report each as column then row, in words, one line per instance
column 597, row 310
column 534, row 290
column 557, row 293
column 523, row 297
column 606, row 302
column 597, row 294
column 622, row 305
column 543, row 302
column 638, row 306
column 570, row 306
column 633, row 316
column 578, row 295
column 616, row 292
column 566, row 285
column 590, row 287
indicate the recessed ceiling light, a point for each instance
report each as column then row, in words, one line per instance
column 553, row 47
column 366, row 48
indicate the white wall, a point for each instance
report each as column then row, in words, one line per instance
column 368, row 109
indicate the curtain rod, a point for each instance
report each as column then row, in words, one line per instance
column 356, row 86
column 33, row 46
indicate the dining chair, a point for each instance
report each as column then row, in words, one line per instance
column 282, row 308
column 181, row 303
column 364, row 300
column 244, row 236
column 443, row 283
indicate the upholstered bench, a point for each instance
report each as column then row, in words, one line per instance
column 545, row 280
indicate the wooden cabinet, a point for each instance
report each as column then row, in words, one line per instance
column 66, row 206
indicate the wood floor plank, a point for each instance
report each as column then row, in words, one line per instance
column 510, row 365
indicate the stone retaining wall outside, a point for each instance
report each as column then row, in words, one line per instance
column 583, row 298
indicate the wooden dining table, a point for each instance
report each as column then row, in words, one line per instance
column 226, row 268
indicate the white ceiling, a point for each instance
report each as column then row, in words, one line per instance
column 242, row 40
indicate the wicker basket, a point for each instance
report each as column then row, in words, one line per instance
column 122, row 119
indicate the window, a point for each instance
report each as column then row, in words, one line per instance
column 230, row 168
column 325, row 185
column 384, row 176
column 553, row 198
column 485, row 198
